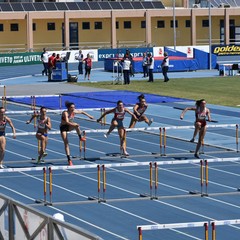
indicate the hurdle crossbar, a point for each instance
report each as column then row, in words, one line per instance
column 173, row 226
column 113, row 165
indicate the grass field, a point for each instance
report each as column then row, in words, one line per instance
column 216, row 90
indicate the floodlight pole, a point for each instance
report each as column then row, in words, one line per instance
column 210, row 34
column 174, row 25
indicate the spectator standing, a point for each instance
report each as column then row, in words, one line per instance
column 151, row 67
column 165, row 66
column 51, row 65
column 88, row 66
column 131, row 59
column 44, row 59
column 126, row 69
column 145, row 65
column 79, row 57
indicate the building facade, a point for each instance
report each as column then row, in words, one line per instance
column 71, row 25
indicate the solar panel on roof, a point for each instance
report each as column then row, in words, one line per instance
column 158, row 4
column 17, row 7
column 72, row 6
column 105, row 5
column 137, row 5
column 28, row 7
column 6, row 7
column 61, row 6
column 94, row 6
column 83, row 6
column 126, row 5
column 50, row 6
column 39, row 6
column 115, row 5
column 147, row 5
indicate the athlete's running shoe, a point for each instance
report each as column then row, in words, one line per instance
column 70, row 163
column 150, row 122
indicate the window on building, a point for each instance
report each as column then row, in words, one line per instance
column 205, row 23
column 176, row 23
column 51, row 26
column 86, row 25
column 127, row 25
column 143, row 24
column 1, row 27
column 98, row 25
column 188, row 23
column 160, row 24
column 14, row 27
column 117, row 25
column 34, row 27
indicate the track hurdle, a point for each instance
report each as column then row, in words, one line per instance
column 172, row 226
column 204, row 177
column 153, row 180
column 162, row 141
column 222, row 223
column 44, row 200
column 101, row 179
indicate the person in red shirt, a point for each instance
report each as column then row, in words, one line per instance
column 51, row 65
column 88, row 66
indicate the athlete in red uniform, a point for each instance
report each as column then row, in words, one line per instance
column 117, row 121
column 202, row 114
column 43, row 125
column 139, row 110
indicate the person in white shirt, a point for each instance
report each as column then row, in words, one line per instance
column 165, row 66
column 79, row 57
column 44, row 59
column 151, row 67
column 126, row 69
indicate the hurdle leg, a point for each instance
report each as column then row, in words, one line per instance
column 160, row 140
column 164, row 141
column 213, row 231
column 201, row 176
column 206, row 231
column 156, row 179
column 44, row 185
column 50, row 185
column 237, row 138
column 150, row 179
column 206, row 178
column 104, row 183
column 84, row 145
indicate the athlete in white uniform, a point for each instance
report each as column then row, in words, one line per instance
column 117, row 121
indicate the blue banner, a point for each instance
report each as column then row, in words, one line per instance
column 119, row 53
